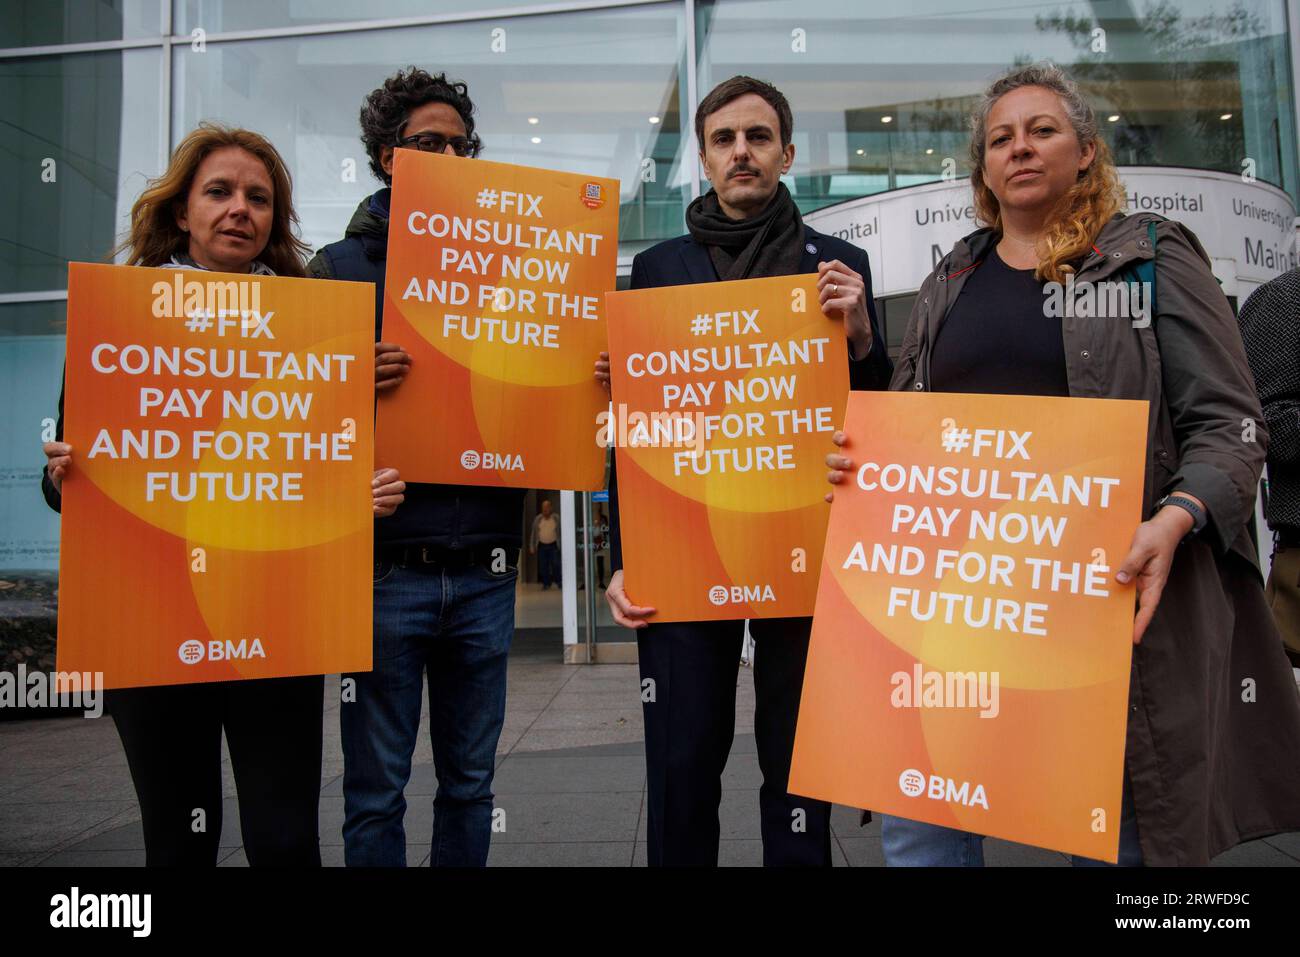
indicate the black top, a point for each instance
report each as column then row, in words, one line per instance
column 997, row 337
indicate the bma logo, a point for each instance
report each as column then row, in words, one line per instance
column 192, row 652
column 913, row 784
column 751, row 594
column 501, row 461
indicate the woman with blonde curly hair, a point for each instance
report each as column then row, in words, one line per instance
column 225, row 203
column 1206, row 766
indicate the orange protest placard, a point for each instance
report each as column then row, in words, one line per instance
column 725, row 397
column 216, row 520
column 495, row 284
column 970, row 651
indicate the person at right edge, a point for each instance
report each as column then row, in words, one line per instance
column 1212, row 755
column 1270, row 328
column 746, row 227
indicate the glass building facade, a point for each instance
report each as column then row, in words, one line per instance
column 95, row 93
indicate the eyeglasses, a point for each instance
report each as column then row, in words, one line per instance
column 437, row 143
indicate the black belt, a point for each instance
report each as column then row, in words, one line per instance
column 441, row 557
column 1286, row 538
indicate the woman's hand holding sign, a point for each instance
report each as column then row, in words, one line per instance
column 839, row 465
column 1150, row 557
column 602, row 371
column 59, row 460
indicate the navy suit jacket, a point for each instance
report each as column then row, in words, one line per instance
column 681, row 261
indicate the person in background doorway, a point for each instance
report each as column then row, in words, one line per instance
column 545, row 544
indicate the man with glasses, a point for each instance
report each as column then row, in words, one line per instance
column 445, row 561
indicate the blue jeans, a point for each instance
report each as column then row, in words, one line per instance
column 456, row 624
column 548, row 564
column 908, row 843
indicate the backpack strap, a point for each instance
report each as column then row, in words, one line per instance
column 1146, row 269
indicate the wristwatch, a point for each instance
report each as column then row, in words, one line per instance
column 1185, row 503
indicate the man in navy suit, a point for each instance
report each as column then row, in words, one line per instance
column 747, row 226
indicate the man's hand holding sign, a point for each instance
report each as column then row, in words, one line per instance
column 843, row 295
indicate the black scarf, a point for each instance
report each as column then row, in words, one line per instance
column 769, row 244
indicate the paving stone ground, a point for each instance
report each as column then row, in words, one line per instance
column 570, row 778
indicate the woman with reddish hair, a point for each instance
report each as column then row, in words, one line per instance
column 225, row 203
